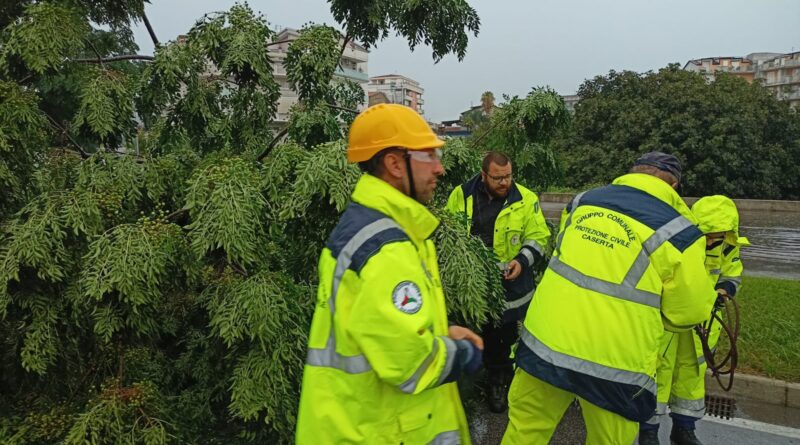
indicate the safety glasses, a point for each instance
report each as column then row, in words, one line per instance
column 431, row 156
column 499, row 179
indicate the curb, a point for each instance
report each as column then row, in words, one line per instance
column 759, row 389
column 764, row 205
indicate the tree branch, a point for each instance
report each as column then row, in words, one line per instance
column 238, row 269
column 485, row 133
column 176, row 214
column 272, row 144
column 64, row 132
column 224, row 79
column 341, row 51
column 115, row 58
column 278, row 42
column 336, row 107
column 150, row 29
column 99, row 57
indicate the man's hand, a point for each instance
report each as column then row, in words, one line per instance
column 514, row 269
column 462, row 333
column 722, row 297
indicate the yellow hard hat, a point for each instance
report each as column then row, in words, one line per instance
column 388, row 125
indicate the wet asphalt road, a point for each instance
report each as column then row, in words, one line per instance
column 487, row 429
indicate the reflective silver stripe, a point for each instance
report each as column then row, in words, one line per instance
column 735, row 280
column 586, row 367
column 715, row 271
column 661, row 410
column 627, row 290
column 651, row 244
column 447, row 438
column 534, row 245
column 637, row 270
column 693, row 408
column 502, row 266
column 328, row 357
column 701, row 360
column 621, row 291
column 449, row 360
column 574, row 204
column 346, row 255
column 665, row 232
column 410, row 385
column 513, row 304
column 528, row 255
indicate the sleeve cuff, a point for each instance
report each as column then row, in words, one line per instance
column 523, row 259
column 468, row 360
column 729, row 287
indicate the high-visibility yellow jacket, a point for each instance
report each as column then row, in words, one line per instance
column 717, row 214
column 724, row 266
column 380, row 366
column 628, row 263
column 520, row 233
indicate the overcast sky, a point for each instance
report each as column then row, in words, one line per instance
column 527, row 43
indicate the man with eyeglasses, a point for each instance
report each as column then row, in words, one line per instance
column 382, row 361
column 507, row 217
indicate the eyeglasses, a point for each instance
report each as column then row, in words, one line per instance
column 505, row 178
column 434, row 155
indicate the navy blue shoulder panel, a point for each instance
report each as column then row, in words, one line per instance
column 355, row 218
column 643, row 207
column 468, row 188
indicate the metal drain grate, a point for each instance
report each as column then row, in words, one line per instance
column 719, row 406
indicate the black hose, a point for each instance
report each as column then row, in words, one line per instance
column 731, row 359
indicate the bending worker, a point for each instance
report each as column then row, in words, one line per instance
column 382, row 361
column 506, row 216
column 681, row 364
column 626, row 266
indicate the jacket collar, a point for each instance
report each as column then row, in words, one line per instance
column 475, row 185
column 658, row 188
column 414, row 218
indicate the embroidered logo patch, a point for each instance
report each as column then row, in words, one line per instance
column 515, row 240
column 407, row 297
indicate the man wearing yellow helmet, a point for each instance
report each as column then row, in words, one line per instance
column 681, row 365
column 382, row 360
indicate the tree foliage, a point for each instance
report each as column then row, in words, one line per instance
column 157, row 279
column 733, row 137
column 444, row 25
column 523, row 129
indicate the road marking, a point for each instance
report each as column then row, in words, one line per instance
column 753, row 425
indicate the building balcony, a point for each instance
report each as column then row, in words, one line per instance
column 794, row 95
column 784, row 80
column 355, row 55
column 779, row 64
column 277, row 68
column 358, row 76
